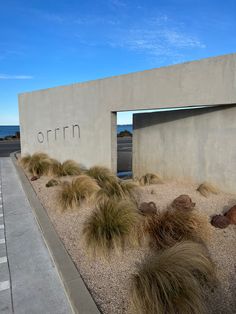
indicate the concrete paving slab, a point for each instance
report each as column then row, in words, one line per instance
column 3, row 251
column 3, row 260
column 36, row 286
column 81, row 300
column 4, row 274
column 12, row 208
column 4, row 285
column 1, row 233
column 5, row 304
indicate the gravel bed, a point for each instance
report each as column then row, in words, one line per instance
column 108, row 281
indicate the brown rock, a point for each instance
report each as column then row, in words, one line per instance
column 52, row 182
column 220, row 221
column 231, row 215
column 148, row 208
column 183, row 202
column 34, row 178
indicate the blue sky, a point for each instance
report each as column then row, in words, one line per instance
column 45, row 43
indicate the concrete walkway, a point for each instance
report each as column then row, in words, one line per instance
column 29, row 282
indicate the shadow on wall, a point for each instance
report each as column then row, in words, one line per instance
column 160, row 117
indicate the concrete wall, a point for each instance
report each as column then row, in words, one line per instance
column 47, row 116
column 197, row 145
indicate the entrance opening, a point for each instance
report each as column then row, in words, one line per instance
column 124, row 145
column 125, row 142
column 125, row 138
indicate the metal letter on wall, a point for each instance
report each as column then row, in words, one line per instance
column 73, row 130
column 40, row 140
column 75, row 133
column 64, row 131
column 56, row 129
column 48, row 131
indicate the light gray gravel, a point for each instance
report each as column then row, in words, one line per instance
column 109, row 281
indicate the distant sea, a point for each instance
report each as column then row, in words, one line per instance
column 123, row 127
column 9, row 130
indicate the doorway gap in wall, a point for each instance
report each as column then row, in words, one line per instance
column 124, row 137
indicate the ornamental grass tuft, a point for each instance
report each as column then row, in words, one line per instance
column 39, row 164
column 168, row 227
column 71, row 168
column 103, row 175
column 81, row 188
column 24, row 161
column 110, row 227
column 150, row 178
column 171, row 281
column 206, row 189
column 66, row 196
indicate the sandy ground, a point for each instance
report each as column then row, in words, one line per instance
column 108, row 282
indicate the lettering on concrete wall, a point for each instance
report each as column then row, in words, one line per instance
column 40, row 137
column 65, row 132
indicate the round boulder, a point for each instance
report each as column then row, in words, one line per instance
column 148, row 208
column 231, row 215
column 183, row 202
column 34, row 178
column 220, row 221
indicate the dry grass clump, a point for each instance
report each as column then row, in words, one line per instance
column 111, row 186
column 84, row 187
column 169, row 282
column 24, row 161
column 207, row 188
column 39, row 164
column 56, row 168
column 114, row 189
column 110, row 227
column 168, row 227
column 71, row 168
column 67, row 168
column 150, row 178
column 128, row 186
column 81, row 188
column 67, row 197
column 40, row 155
column 103, row 175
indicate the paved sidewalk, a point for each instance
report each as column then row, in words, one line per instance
column 29, row 282
column 5, row 292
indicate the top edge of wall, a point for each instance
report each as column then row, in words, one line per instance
column 215, row 58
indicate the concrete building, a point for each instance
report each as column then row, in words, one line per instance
column 196, row 145
column 79, row 121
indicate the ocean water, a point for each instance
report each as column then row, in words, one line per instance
column 128, row 127
column 8, row 130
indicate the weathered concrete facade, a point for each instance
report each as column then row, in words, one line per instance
column 79, row 121
column 197, row 144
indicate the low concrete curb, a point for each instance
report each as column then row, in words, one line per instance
column 78, row 294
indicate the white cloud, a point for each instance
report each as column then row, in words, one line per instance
column 15, row 77
column 181, row 40
column 159, row 36
column 153, row 35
